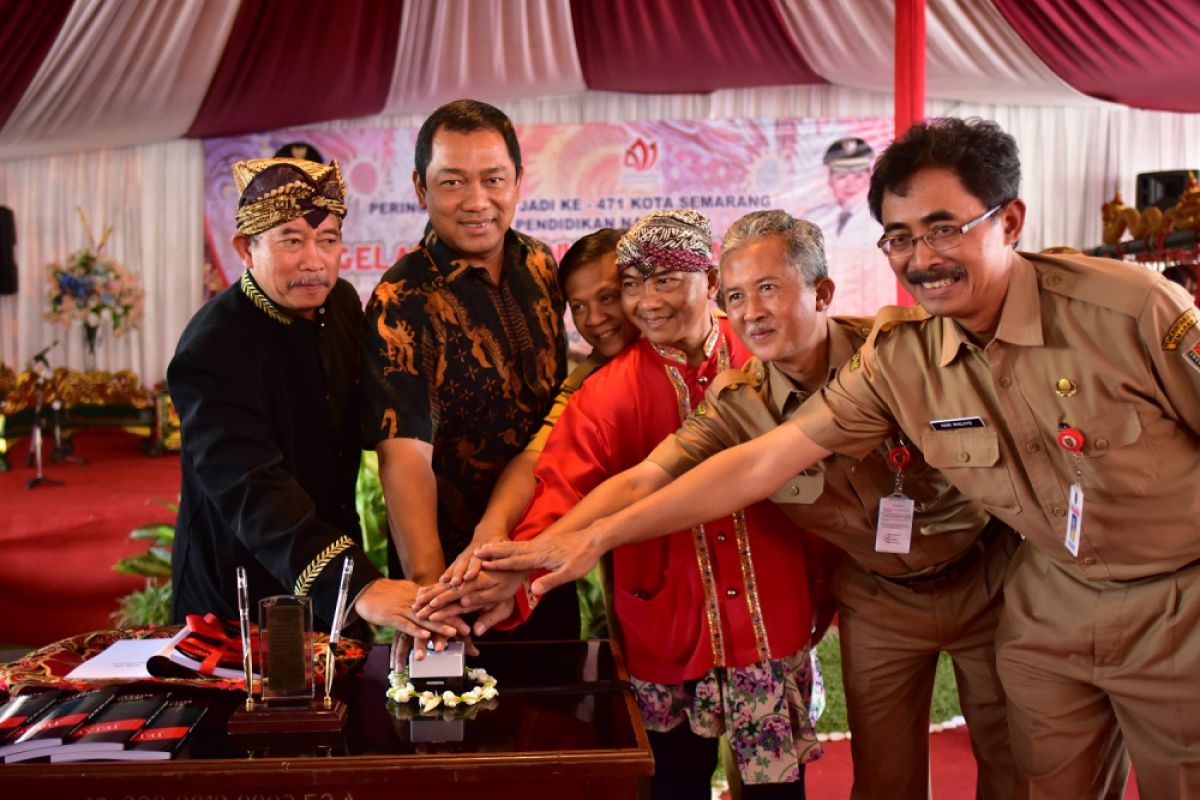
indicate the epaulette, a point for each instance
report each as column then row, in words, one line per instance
column 889, row 318
column 859, row 327
column 751, row 374
column 1105, row 282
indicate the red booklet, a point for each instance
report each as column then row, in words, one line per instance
column 56, row 724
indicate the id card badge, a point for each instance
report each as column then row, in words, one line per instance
column 893, row 533
column 1074, row 518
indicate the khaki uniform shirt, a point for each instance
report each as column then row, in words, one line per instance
column 837, row 499
column 1108, row 348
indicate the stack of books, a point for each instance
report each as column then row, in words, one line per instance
column 112, row 722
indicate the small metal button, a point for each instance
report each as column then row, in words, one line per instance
column 720, row 537
column 1088, row 561
column 702, row 379
column 1059, row 511
column 1102, row 444
column 1053, row 280
column 1032, row 447
column 795, row 490
column 731, row 592
column 964, row 456
column 1006, row 382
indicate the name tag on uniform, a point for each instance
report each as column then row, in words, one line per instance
column 955, row 423
column 1074, row 518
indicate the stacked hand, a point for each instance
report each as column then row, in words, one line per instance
column 563, row 554
column 391, row 603
column 490, row 593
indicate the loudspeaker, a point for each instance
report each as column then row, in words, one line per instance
column 1161, row 189
column 8, row 240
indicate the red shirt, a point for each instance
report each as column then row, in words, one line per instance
column 730, row 593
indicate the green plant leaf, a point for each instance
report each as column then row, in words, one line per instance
column 161, row 532
column 144, row 564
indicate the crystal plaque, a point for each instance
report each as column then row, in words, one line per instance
column 286, row 647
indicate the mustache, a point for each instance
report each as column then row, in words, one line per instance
column 918, row 277
column 316, row 280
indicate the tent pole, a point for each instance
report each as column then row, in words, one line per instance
column 910, row 79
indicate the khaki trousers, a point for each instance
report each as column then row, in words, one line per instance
column 891, row 637
column 1092, row 669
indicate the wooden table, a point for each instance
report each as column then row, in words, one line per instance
column 565, row 722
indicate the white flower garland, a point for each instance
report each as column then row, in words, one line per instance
column 402, row 691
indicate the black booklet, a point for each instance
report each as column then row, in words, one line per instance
column 23, row 710
column 107, row 733
column 57, row 723
column 168, row 733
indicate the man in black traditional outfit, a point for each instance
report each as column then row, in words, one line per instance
column 265, row 379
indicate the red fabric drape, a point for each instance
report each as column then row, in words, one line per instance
column 1138, row 52
column 685, row 45
column 27, row 30
column 287, row 63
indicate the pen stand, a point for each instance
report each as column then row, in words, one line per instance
column 288, row 711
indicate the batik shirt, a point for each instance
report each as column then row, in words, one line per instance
column 467, row 364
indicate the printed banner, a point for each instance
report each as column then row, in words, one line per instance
column 579, row 178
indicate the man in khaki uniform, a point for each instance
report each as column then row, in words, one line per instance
column 1061, row 392
column 897, row 611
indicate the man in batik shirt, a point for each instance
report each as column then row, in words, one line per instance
column 464, row 347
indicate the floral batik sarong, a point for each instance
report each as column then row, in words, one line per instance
column 767, row 710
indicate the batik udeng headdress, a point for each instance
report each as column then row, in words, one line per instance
column 278, row 190
column 673, row 240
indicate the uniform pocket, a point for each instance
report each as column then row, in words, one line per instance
column 1111, row 466
column 970, row 458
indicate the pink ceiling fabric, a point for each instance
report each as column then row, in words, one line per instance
column 93, row 74
column 119, row 72
column 1141, row 53
column 493, row 49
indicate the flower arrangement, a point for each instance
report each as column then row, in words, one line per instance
column 402, row 691
column 93, row 289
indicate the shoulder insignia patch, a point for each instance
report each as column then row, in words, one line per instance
column 1181, row 326
column 1192, row 354
column 856, row 360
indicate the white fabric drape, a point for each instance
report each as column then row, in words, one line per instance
column 483, row 48
column 153, row 197
column 120, row 72
column 972, row 53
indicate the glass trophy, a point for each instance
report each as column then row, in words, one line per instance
column 285, row 624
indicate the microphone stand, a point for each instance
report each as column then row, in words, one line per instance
column 39, row 421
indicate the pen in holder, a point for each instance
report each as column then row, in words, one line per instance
column 335, row 629
column 243, row 594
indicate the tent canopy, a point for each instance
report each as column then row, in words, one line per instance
column 90, row 74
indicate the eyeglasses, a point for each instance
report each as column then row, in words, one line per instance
column 940, row 238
